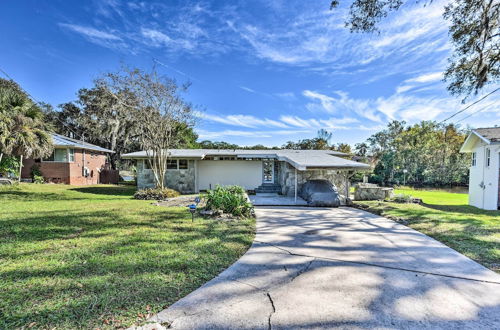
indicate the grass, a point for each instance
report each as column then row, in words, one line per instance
column 92, row 257
column 448, row 218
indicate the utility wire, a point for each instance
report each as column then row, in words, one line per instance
column 470, row 105
column 477, row 111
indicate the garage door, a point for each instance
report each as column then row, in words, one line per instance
column 245, row 173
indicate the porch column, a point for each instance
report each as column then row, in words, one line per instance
column 295, row 185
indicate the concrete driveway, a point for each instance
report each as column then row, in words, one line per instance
column 342, row 268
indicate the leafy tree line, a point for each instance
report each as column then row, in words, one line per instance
column 115, row 112
column 426, row 153
column 126, row 110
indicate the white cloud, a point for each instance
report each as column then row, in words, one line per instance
column 247, row 89
column 286, row 96
column 426, row 78
column 341, row 104
column 242, row 120
column 423, row 79
column 90, row 32
column 399, row 106
column 285, row 121
column 204, row 134
column 157, row 37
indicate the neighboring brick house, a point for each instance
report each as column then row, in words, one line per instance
column 73, row 162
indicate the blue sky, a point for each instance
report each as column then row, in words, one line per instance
column 262, row 71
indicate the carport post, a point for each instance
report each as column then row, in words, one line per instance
column 295, row 185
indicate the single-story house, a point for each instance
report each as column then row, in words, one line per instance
column 72, row 162
column 281, row 171
column 484, row 185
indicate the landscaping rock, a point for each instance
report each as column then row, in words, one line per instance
column 371, row 192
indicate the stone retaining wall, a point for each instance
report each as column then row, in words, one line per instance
column 181, row 180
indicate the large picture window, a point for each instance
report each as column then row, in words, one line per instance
column 61, row 155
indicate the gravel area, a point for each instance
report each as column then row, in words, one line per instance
column 181, row 201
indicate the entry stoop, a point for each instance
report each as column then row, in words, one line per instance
column 269, row 188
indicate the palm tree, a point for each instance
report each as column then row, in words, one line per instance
column 23, row 131
column 323, row 134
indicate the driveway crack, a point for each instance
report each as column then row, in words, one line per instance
column 378, row 265
column 303, row 270
column 269, row 323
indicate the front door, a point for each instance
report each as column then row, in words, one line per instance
column 268, row 171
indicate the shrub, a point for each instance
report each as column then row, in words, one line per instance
column 9, row 166
column 36, row 174
column 402, row 198
column 229, row 199
column 156, row 194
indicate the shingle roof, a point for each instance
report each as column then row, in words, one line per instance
column 300, row 159
column 63, row 141
column 490, row 133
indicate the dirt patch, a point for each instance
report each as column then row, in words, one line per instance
column 181, row 201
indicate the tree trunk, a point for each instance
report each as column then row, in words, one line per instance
column 1, row 156
column 20, row 166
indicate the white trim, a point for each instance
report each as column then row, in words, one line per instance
column 481, row 137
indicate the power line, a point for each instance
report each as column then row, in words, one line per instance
column 473, row 113
column 470, row 105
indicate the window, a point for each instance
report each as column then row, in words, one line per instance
column 171, row 164
column 183, row 164
column 473, row 159
column 488, row 157
column 58, row 155
column 71, row 154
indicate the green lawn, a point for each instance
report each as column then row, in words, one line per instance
column 92, row 257
column 447, row 217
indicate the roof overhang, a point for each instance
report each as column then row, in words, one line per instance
column 471, row 141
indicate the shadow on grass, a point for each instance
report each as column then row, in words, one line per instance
column 121, row 190
column 462, row 209
column 33, row 196
column 76, row 269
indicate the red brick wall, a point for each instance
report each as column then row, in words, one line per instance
column 52, row 171
column 71, row 172
column 93, row 160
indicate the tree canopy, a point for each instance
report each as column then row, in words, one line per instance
column 109, row 114
column 426, row 154
column 23, row 129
